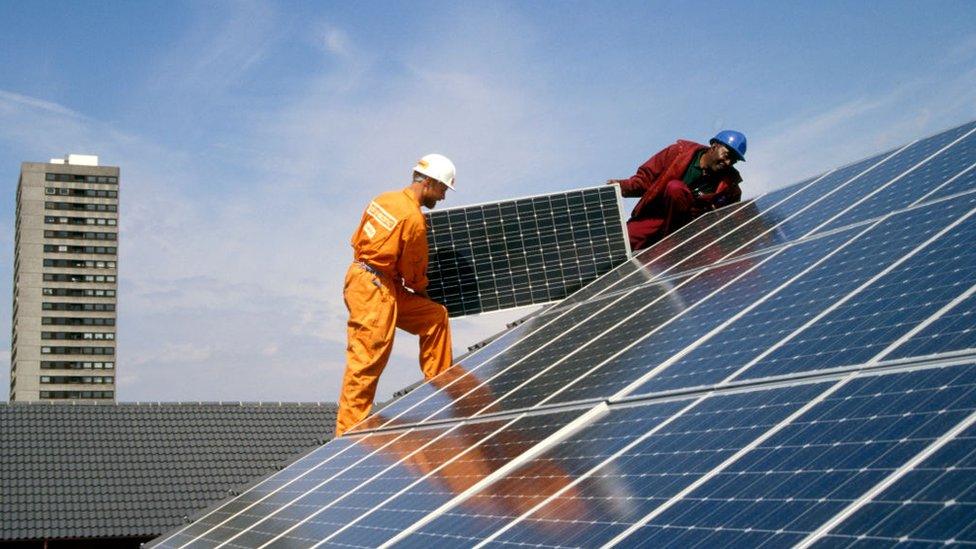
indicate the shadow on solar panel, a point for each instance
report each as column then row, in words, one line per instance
column 796, row 370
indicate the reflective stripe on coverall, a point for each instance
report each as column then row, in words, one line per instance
column 390, row 252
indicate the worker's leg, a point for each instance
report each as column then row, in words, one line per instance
column 427, row 319
column 677, row 202
column 372, row 308
column 670, row 211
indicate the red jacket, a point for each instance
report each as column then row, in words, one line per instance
column 670, row 164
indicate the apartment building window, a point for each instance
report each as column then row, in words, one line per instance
column 77, row 350
column 67, row 249
column 91, row 193
column 78, row 292
column 76, row 365
column 62, row 277
column 76, row 321
column 74, row 178
column 68, row 395
column 81, row 206
column 77, row 379
column 55, row 220
column 86, row 336
column 87, row 235
column 79, row 264
column 101, row 307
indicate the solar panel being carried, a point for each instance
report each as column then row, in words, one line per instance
column 525, row 251
column 796, row 370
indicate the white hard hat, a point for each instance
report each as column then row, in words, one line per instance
column 437, row 166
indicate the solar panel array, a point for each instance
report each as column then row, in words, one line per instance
column 796, row 370
column 525, row 251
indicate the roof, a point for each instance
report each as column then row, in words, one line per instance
column 126, row 470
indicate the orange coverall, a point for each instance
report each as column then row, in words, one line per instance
column 390, row 255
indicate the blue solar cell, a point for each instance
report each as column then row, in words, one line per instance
column 794, row 305
column 964, row 182
column 803, row 475
column 661, row 300
column 611, row 494
column 571, row 382
column 955, row 330
column 934, row 503
column 874, row 318
column 378, row 524
column 847, row 196
column 531, row 483
column 339, row 451
column 913, row 185
column 654, row 261
column 259, row 521
column 776, row 227
column 321, row 510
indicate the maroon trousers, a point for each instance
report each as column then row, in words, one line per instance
column 668, row 213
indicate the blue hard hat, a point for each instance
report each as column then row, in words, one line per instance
column 733, row 140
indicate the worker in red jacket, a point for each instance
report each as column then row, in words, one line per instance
column 680, row 183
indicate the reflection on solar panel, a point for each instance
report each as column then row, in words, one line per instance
column 796, row 370
column 523, row 252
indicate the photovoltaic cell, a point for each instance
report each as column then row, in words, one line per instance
column 877, row 316
column 322, row 510
column 934, row 503
column 964, row 182
column 562, row 339
column 814, row 467
column 443, row 485
column 523, row 252
column 261, row 521
column 847, row 196
column 746, row 339
column 734, row 287
column 645, row 342
column 775, row 225
column 954, row 331
column 913, row 185
column 612, row 495
column 224, row 511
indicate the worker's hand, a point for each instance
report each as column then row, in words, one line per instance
column 613, row 181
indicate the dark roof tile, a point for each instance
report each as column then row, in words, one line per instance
column 83, row 471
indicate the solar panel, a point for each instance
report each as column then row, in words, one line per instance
column 797, row 369
column 525, row 251
column 932, row 502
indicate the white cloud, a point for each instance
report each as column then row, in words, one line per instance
column 335, row 41
column 8, row 100
column 787, row 151
column 216, row 53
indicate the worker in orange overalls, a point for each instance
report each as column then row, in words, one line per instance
column 386, row 286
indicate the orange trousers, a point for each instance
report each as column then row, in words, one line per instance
column 377, row 306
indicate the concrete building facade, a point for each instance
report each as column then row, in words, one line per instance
column 65, row 281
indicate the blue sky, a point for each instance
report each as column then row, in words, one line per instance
column 250, row 136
